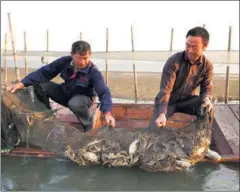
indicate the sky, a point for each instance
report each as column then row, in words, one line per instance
column 151, row 21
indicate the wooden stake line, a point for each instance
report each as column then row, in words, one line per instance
column 25, row 50
column 47, row 46
column 80, row 36
column 229, row 38
column 106, row 75
column 3, row 49
column 227, row 84
column 5, row 61
column 171, row 40
column 13, row 48
column 134, row 68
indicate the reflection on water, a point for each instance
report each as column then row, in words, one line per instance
column 38, row 174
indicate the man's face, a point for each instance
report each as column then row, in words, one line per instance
column 81, row 61
column 194, row 47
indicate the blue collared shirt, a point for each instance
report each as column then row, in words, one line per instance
column 87, row 81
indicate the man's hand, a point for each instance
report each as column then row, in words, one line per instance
column 15, row 87
column 161, row 120
column 110, row 119
column 207, row 103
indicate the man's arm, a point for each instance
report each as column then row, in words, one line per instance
column 166, row 86
column 102, row 91
column 44, row 74
column 104, row 95
column 206, row 86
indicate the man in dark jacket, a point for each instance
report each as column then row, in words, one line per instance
column 181, row 76
column 82, row 82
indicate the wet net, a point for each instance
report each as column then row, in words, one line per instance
column 27, row 121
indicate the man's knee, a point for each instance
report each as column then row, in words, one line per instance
column 41, row 92
column 79, row 104
column 190, row 105
column 48, row 86
column 212, row 111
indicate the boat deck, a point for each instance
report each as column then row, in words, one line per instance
column 226, row 129
column 225, row 126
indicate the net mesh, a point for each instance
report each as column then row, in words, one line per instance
column 25, row 120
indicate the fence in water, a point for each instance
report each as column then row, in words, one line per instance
column 221, row 57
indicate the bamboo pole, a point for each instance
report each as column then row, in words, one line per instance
column 5, row 61
column 134, row 68
column 106, row 75
column 25, row 50
column 80, row 36
column 171, row 40
column 13, row 48
column 229, row 38
column 47, row 46
column 3, row 50
column 227, row 84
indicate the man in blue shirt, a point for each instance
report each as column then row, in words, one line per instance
column 82, row 82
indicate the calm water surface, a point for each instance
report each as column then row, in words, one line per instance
column 50, row 174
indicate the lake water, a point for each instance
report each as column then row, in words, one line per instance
column 122, row 65
column 50, row 174
column 40, row 174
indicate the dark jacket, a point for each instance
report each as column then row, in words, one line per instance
column 88, row 81
column 180, row 79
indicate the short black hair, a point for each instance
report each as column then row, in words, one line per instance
column 200, row 32
column 81, row 47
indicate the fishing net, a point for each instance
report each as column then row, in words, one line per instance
column 27, row 121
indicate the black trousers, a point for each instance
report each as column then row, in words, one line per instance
column 191, row 105
column 78, row 104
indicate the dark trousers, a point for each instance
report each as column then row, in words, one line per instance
column 78, row 104
column 190, row 105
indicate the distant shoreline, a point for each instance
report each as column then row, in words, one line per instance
column 142, row 67
column 216, row 56
column 121, row 84
column 141, row 73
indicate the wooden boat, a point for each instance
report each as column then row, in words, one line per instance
column 127, row 116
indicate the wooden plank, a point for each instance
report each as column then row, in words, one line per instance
column 235, row 110
column 233, row 120
column 138, row 112
column 35, row 152
column 127, row 112
column 221, row 143
column 38, row 152
column 226, row 130
column 130, row 123
column 225, row 158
